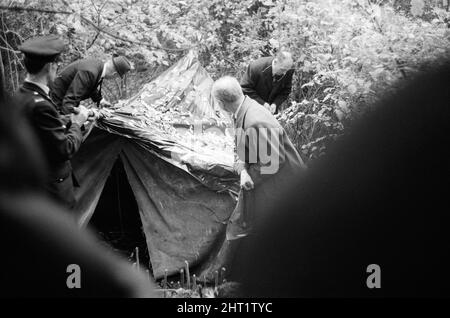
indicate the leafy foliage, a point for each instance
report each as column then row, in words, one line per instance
column 348, row 53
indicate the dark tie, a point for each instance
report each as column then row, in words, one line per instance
column 98, row 92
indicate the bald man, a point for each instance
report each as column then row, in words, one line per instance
column 268, row 80
column 266, row 159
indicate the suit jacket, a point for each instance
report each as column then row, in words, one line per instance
column 78, row 81
column 265, row 151
column 258, row 83
column 58, row 142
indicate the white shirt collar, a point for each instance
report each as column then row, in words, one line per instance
column 45, row 88
column 104, row 71
column 239, row 108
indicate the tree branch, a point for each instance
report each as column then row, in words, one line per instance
column 99, row 12
column 93, row 40
column 15, row 33
column 102, row 30
column 380, row 30
column 16, row 53
column 16, row 8
column 7, row 49
column 117, row 37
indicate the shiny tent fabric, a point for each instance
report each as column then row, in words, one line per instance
column 182, row 218
column 185, row 194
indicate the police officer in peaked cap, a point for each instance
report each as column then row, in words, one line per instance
column 59, row 139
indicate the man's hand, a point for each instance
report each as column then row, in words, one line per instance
column 93, row 115
column 273, row 108
column 246, row 181
column 82, row 115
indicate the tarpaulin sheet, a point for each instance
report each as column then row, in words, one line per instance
column 181, row 217
column 183, row 183
column 92, row 166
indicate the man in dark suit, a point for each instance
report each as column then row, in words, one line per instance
column 60, row 139
column 268, row 80
column 266, row 159
column 83, row 79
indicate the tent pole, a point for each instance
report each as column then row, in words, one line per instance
column 119, row 205
column 165, row 279
column 188, row 275
column 194, row 283
column 182, row 277
column 222, row 275
column 216, row 279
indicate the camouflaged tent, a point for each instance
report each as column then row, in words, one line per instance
column 179, row 170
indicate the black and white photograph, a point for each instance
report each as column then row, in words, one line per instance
column 244, row 150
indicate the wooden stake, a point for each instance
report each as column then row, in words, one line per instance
column 165, row 279
column 188, row 275
column 222, row 275
column 194, row 283
column 138, row 266
column 182, row 277
column 216, row 279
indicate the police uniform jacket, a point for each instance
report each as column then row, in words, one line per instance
column 59, row 143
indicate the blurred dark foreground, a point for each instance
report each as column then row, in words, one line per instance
column 379, row 196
